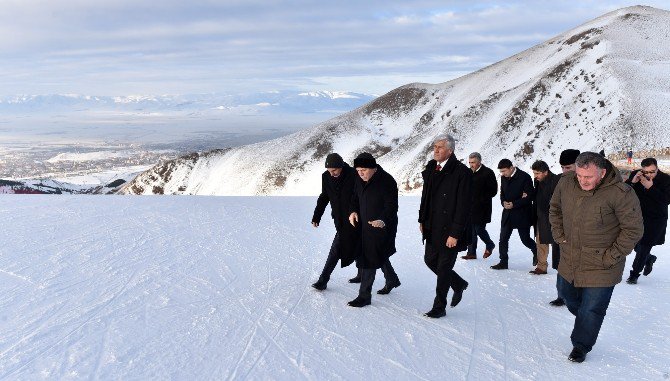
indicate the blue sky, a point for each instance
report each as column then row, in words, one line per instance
column 124, row 47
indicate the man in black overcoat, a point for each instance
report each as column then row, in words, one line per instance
column 337, row 187
column 516, row 196
column 444, row 220
column 484, row 188
column 652, row 187
column 545, row 183
column 374, row 208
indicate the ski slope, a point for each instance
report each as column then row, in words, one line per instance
column 189, row 288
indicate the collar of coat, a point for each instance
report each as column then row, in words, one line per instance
column 448, row 166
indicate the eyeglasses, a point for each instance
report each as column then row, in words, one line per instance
column 649, row 172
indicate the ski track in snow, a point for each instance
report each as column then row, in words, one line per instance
column 219, row 288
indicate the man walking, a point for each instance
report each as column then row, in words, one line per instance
column 596, row 219
column 484, row 188
column 337, row 187
column 545, row 183
column 374, row 207
column 516, row 196
column 444, row 220
column 567, row 162
column 652, row 188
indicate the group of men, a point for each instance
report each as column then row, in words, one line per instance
column 589, row 217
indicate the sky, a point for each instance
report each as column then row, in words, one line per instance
column 125, row 47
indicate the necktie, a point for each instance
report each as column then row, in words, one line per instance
column 438, row 168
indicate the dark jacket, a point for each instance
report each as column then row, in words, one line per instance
column 654, row 204
column 446, row 200
column 543, row 191
column 376, row 200
column 338, row 193
column 596, row 229
column 512, row 189
column 484, row 188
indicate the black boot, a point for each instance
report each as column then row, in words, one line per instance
column 435, row 313
column 458, row 295
column 577, row 355
column 388, row 287
column 359, row 302
column 319, row 285
column 356, row 279
column 649, row 265
column 500, row 266
column 632, row 279
column 558, row 302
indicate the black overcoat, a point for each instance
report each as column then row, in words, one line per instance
column 512, row 189
column 654, row 204
column 338, row 193
column 543, row 191
column 446, row 200
column 376, row 200
column 484, row 188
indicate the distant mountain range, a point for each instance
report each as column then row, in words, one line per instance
column 261, row 102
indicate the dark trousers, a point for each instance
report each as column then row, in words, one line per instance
column 642, row 255
column 479, row 230
column 589, row 305
column 524, row 234
column 555, row 255
column 331, row 261
column 442, row 264
column 368, row 278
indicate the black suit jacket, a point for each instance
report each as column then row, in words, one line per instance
column 512, row 189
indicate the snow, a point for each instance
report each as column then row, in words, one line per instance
column 219, row 288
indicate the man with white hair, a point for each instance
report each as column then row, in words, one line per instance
column 444, row 220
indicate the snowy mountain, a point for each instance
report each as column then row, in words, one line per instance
column 218, row 288
column 263, row 102
column 603, row 85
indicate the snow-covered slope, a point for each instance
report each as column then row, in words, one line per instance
column 602, row 85
column 217, row 288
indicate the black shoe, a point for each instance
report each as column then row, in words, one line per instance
column 631, row 280
column 356, row 279
column 649, row 265
column 558, row 302
column 359, row 302
column 458, row 295
column 319, row 285
column 500, row 266
column 577, row 355
column 387, row 288
column 435, row 313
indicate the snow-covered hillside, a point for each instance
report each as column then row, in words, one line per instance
column 195, row 288
column 602, row 85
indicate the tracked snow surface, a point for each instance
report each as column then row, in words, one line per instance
column 195, row 288
column 603, row 85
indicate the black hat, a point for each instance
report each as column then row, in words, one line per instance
column 365, row 160
column 334, row 161
column 568, row 156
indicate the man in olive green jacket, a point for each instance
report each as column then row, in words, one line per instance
column 596, row 219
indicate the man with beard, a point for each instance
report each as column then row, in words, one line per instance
column 516, row 196
column 374, row 207
column 596, row 219
column 484, row 188
column 567, row 162
column 652, row 188
column 337, row 186
column 545, row 183
column 444, row 216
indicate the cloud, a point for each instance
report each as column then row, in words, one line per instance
column 126, row 47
